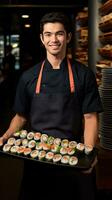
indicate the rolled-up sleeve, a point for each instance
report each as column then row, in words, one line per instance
column 91, row 100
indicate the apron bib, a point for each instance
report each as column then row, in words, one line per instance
column 57, row 114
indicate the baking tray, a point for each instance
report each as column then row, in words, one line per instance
column 84, row 161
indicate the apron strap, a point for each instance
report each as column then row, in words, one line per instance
column 39, row 79
column 72, row 84
column 71, row 79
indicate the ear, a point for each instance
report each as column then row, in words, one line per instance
column 41, row 38
column 69, row 37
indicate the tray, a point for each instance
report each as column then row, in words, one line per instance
column 84, row 161
column 38, row 142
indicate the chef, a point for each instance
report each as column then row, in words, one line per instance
column 58, row 97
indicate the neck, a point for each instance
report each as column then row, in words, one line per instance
column 55, row 61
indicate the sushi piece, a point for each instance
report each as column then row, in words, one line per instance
column 44, row 137
column 57, row 158
column 27, row 151
column 57, row 141
column 37, row 136
column 88, row 149
column 18, row 142
column 63, row 150
column 21, row 149
column 50, row 140
column 11, row 141
column 55, row 148
column 64, row 143
column 46, row 146
column 30, row 135
column 73, row 160
column 70, row 151
column 1, row 143
column 39, row 145
column 31, row 144
column 41, row 155
column 6, row 147
column 49, row 156
column 23, row 134
column 17, row 134
column 72, row 144
column 80, row 147
column 65, row 159
column 34, row 153
column 25, row 142
column 14, row 149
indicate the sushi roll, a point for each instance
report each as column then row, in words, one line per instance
column 31, row 144
column 72, row 144
column 57, row 158
column 55, row 148
column 37, row 136
column 25, row 142
column 80, row 147
column 14, row 149
column 73, row 160
column 63, row 150
column 65, row 159
column 41, row 155
column 39, row 145
column 49, row 156
column 27, row 151
column 88, row 149
column 30, row 135
column 64, row 143
column 1, row 143
column 50, row 140
column 11, row 141
column 16, row 134
column 46, row 146
column 21, row 149
column 70, row 151
column 23, row 134
column 57, row 141
column 18, row 142
column 34, row 153
column 6, row 147
column 44, row 137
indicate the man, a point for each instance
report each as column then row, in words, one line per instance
column 58, row 96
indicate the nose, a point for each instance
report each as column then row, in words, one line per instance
column 54, row 37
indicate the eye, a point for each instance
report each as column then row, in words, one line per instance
column 47, row 34
column 60, row 33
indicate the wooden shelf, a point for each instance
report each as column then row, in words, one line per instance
column 106, row 7
column 106, row 26
column 106, row 38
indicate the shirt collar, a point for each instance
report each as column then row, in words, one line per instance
column 48, row 66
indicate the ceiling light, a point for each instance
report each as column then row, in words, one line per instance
column 25, row 16
column 27, row 25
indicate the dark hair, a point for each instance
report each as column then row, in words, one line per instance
column 55, row 17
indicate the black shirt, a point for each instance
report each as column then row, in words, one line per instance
column 57, row 81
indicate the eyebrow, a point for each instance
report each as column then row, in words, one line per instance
column 46, row 32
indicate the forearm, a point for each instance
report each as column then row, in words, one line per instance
column 90, row 129
column 16, row 124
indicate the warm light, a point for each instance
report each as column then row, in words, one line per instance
column 14, row 45
column 27, row 25
column 25, row 16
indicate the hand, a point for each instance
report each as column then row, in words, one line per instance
column 92, row 166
